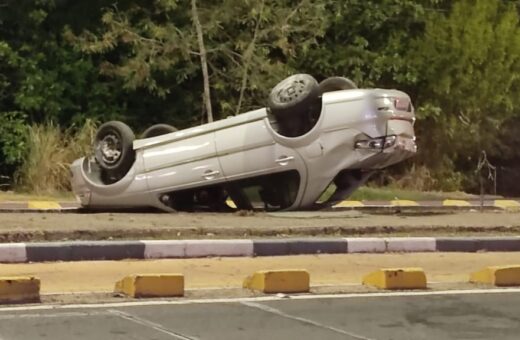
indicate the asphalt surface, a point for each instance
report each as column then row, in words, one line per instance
column 453, row 316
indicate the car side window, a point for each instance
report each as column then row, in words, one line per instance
column 270, row 192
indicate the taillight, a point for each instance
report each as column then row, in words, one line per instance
column 403, row 104
column 378, row 143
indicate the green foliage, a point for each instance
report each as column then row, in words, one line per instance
column 467, row 66
column 13, row 135
column 157, row 47
column 365, row 40
column 66, row 62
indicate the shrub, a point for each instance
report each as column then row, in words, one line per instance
column 13, row 133
column 50, row 151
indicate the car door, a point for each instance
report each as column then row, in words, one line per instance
column 182, row 164
column 249, row 151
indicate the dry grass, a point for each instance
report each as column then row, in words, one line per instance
column 421, row 178
column 417, row 178
column 10, row 196
column 49, row 154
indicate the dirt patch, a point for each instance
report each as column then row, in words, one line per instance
column 24, row 227
column 229, row 273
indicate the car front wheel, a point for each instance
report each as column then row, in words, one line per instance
column 113, row 148
column 158, row 130
column 336, row 84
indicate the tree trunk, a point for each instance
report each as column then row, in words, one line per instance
column 203, row 59
column 247, row 59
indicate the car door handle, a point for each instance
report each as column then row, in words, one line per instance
column 209, row 174
column 284, row 160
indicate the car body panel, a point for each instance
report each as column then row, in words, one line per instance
column 242, row 147
column 250, row 149
column 183, row 163
column 202, row 129
column 91, row 192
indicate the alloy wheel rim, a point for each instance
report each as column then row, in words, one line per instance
column 111, row 149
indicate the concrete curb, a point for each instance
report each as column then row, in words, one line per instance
column 149, row 249
column 371, row 206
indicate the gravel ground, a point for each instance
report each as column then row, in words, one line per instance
column 21, row 227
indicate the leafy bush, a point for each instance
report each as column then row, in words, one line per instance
column 13, row 135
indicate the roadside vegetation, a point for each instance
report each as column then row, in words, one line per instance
column 66, row 64
column 364, row 193
column 389, row 193
column 48, row 154
column 370, row 193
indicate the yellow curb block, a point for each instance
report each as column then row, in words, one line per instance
column 404, row 203
column 455, row 203
column 43, row 205
column 397, row 278
column 231, row 204
column 349, row 204
column 507, row 204
column 151, row 285
column 19, row 289
column 497, row 276
column 279, row 281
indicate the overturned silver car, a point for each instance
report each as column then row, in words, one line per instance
column 282, row 157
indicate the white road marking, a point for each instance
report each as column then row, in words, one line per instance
column 47, row 315
column 303, row 320
column 92, row 292
column 261, row 298
column 215, row 288
column 98, row 292
column 150, row 324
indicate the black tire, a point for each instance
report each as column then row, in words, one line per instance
column 158, row 130
column 293, row 95
column 336, row 84
column 113, row 148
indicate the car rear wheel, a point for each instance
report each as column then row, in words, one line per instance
column 113, row 148
column 296, row 104
column 158, row 130
column 336, row 84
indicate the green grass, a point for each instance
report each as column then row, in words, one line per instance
column 386, row 194
column 366, row 193
column 362, row 194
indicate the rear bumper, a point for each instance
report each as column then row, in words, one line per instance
column 403, row 148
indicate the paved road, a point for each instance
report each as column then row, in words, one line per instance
column 466, row 316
